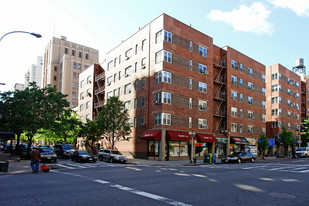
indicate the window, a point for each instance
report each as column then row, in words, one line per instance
column 250, row 100
column 233, row 64
column 168, row 56
column 143, row 82
column 74, row 85
column 276, row 124
column 264, row 91
column 80, row 54
column 234, row 95
column 276, row 88
column 202, row 51
column 234, row 111
column 250, row 130
column 55, row 68
column 276, row 100
column 276, row 112
column 276, row 76
column 74, row 75
column 127, row 71
column 202, row 87
column 81, row 96
column 241, row 82
column 163, row 76
column 234, row 80
column 190, row 85
column 109, row 80
column 240, row 68
column 81, row 107
column 202, row 105
column 74, row 65
column 87, row 56
column 203, row 69
column 190, row 66
column 142, row 101
column 109, row 94
column 66, row 50
column 73, row 95
column 158, row 36
column 73, row 52
column 263, row 77
column 289, row 114
column 55, row 78
column 143, row 45
column 89, row 80
column 127, row 89
column 162, row 118
column 88, row 105
column 263, row 104
column 191, row 46
column 241, row 97
column 250, row 86
column 85, row 67
column 128, row 54
column 241, row 113
column 168, row 36
column 240, row 128
column 263, row 117
column 190, row 122
column 127, row 105
column 233, row 127
column 297, row 85
column 190, row 103
column 202, row 124
column 82, row 83
column 250, row 115
column 163, row 97
column 79, row 66
column 142, row 120
column 250, row 72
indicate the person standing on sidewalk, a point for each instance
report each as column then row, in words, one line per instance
column 35, row 158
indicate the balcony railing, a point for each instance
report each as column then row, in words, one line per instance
column 100, row 76
column 99, row 90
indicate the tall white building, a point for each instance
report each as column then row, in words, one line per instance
column 34, row 74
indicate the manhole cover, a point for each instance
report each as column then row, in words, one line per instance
column 282, row 195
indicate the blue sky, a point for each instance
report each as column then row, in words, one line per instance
column 269, row 31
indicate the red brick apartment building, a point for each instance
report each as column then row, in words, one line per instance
column 177, row 84
column 284, row 103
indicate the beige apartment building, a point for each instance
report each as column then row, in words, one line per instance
column 63, row 62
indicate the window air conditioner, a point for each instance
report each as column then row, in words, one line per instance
column 127, row 58
column 206, row 72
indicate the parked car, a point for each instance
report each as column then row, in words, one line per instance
column 47, row 154
column 83, row 156
column 112, row 156
column 64, row 150
column 302, row 152
column 239, row 157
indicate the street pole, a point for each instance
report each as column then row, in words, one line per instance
column 33, row 34
column 191, row 159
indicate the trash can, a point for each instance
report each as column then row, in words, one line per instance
column 4, row 166
column 214, row 158
column 206, row 158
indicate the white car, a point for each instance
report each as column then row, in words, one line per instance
column 302, row 152
column 112, row 156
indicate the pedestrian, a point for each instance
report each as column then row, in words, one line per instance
column 35, row 158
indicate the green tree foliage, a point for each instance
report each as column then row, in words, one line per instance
column 113, row 120
column 33, row 109
column 287, row 139
column 92, row 132
column 263, row 144
column 305, row 137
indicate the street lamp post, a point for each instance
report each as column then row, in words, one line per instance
column 33, row 34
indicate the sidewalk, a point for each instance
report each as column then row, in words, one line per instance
column 17, row 166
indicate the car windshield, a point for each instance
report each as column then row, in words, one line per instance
column 66, row 146
column 49, row 150
column 235, row 154
column 83, row 152
column 301, row 149
column 116, row 152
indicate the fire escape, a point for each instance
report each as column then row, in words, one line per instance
column 303, row 101
column 219, row 97
column 99, row 90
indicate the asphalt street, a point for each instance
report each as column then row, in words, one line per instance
column 262, row 183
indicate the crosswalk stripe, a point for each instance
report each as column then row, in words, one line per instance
column 61, row 165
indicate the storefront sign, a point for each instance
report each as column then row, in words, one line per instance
column 252, row 141
column 222, row 140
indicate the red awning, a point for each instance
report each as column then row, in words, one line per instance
column 177, row 135
column 206, row 137
column 152, row 135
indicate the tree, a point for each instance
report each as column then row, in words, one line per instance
column 36, row 109
column 113, row 120
column 287, row 139
column 92, row 132
column 263, row 144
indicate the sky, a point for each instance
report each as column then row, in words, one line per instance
column 269, row 31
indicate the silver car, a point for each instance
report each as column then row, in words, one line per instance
column 112, row 156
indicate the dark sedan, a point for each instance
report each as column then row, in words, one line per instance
column 239, row 157
column 83, row 156
column 47, row 154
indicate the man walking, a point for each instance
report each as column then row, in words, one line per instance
column 35, row 157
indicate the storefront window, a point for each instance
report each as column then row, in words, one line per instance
column 153, row 148
column 178, row 149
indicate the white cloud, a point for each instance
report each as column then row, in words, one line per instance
column 244, row 18
column 300, row 7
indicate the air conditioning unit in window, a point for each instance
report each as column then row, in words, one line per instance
column 156, row 102
column 127, row 58
column 206, row 72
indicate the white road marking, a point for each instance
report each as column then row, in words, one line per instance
column 133, row 168
column 65, row 166
column 197, row 175
column 151, row 196
column 101, row 181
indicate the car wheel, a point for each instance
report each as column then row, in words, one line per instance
column 305, row 155
column 239, row 160
column 111, row 160
column 252, row 160
column 101, row 158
